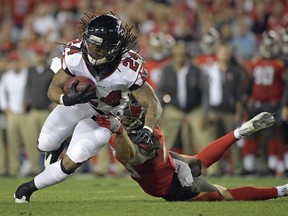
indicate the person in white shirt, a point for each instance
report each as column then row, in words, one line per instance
column 13, row 83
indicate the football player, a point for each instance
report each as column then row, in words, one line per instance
column 176, row 177
column 208, row 44
column 104, row 54
column 160, row 52
column 266, row 93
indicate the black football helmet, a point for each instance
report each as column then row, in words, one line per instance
column 104, row 38
column 269, row 45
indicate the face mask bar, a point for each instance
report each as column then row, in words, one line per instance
column 110, row 50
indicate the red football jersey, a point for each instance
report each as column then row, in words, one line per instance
column 155, row 176
column 203, row 60
column 154, row 68
column 268, row 83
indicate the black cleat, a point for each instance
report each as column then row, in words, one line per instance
column 23, row 193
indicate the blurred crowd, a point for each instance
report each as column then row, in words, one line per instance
column 212, row 63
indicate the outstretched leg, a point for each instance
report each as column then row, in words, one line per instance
column 215, row 150
column 256, row 193
column 248, row 193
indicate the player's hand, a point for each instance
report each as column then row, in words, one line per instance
column 73, row 97
column 144, row 139
column 110, row 122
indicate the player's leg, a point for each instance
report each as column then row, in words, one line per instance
column 255, row 193
column 86, row 141
column 58, row 126
column 215, row 150
column 248, row 193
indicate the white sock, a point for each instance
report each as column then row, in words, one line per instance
column 237, row 134
column 50, row 176
column 249, row 163
column 272, row 162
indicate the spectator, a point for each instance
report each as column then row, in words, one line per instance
column 37, row 102
column 12, row 99
column 278, row 18
column 205, row 60
column 244, row 41
column 225, row 81
column 180, row 92
column 260, row 15
column 3, row 153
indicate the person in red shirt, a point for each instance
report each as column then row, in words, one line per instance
column 208, row 44
column 176, row 177
column 160, row 46
column 266, row 93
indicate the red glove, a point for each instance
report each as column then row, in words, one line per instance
column 110, row 122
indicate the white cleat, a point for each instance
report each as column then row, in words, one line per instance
column 23, row 199
column 282, row 190
column 259, row 122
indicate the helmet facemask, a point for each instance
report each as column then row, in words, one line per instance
column 99, row 52
column 103, row 39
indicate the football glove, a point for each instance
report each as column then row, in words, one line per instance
column 110, row 122
column 144, row 139
column 73, row 97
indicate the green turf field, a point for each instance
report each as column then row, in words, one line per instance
column 87, row 195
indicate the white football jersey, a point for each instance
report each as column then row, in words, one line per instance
column 112, row 90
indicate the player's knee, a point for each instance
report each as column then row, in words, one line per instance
column 227, row 195
column 47, row 143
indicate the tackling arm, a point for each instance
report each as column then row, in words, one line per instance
column 125, row 149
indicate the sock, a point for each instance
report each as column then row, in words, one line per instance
column 249, row 162
column 237, row 134
column 253, row 193
column 52, row 175
column 215, row 150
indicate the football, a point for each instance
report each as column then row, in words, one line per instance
column 83, row 81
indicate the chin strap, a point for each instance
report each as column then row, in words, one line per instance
column 96, row 62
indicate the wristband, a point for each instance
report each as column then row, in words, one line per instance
column 148, row 128
column 61, row 99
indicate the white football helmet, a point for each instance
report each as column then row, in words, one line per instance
column 269, row 45
column 160, row 45
column 210, row 41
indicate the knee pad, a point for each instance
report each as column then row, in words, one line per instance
column 84, row 150
column 48, row 142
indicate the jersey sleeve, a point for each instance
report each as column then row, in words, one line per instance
column 140, row 80
column 135, row 70
column 71, row 56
